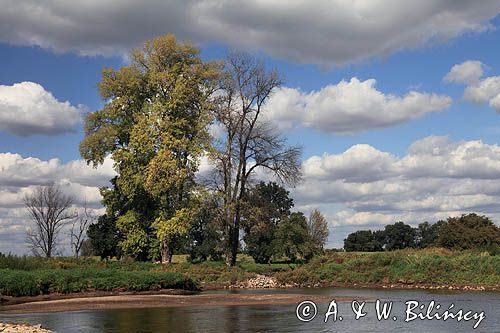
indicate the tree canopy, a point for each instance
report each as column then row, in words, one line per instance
column 469, row 232
column 154, row 126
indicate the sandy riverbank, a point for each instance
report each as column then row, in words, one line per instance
column 150, row 301
column 22, row 328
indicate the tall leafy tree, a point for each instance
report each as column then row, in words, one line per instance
column 154, row 127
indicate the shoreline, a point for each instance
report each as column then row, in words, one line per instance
column 102, row 300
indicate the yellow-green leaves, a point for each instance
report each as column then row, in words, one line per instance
column 168, row 228
column 154, row 125
column 136, row 240
column 164, row 173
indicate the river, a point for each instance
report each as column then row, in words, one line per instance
column 283, row 318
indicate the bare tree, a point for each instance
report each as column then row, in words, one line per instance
column 248, row 144
column 84, row 217
column 48, row 207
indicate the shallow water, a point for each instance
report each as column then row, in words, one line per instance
column 282, row 318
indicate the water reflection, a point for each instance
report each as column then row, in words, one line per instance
column 275, row 318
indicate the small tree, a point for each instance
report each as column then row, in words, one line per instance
column 265, row 207
column 81, row 222
column 87, row 250
column 427, row 234
column 292, row 239
column 204, row 236
column 48, row 208
column 318, row 231
column 104, row 237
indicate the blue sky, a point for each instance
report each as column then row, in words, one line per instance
column 363, row 178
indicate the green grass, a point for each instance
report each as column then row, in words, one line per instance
column 434, row 266
column 31, row 276
column 28, row 276
column 45, row 281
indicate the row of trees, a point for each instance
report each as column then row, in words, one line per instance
column 271, row 231
column 155, row 127
column 470, row 231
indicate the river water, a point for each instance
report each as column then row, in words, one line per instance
column 283, row 318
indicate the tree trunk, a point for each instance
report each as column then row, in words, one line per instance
column 235, row 237
column 165, row 253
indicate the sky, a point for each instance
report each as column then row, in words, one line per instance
column 395, row 103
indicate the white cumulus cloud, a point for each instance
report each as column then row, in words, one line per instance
column 469, row 72
column 350, row 106
column 478, row 89
column 26, row 109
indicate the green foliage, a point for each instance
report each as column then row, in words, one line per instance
column 104, row 237
column 34, row 276
column 204, row 236
column 30, row 276
column 34, row 263
column 176, row 225
column 292, row 238
column 154, row 125
column 363, row 241
column 136, row 244
column 469, row 231
column 265, row 207
column 427, row 234
column 401, row 266
column 399, row 236
column 37, row 282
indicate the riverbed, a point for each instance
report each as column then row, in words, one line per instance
column 243, row 317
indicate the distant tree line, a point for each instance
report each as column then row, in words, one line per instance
column 469, row 231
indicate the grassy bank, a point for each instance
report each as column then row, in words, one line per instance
column 34, row 276
column 31, row 276
column 428, row 267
